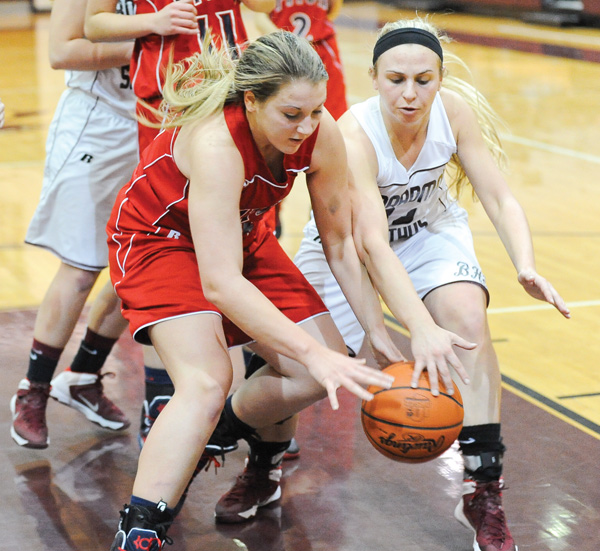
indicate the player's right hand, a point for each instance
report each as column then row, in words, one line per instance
column 433, row 349
column 177, row 18
column 334, row 370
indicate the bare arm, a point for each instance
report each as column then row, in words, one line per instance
column 69, row 49
column 499, row 202
column 209, row 158
column 264, row 6
column 431, row 345
column 328, row 188
column 103, row 24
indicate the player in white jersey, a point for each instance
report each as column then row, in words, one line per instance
column 399, row 144
column 91, row 152
column 1, row 114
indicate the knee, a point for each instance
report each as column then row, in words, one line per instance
column 470, row 323
column 204, row 393
column 79, row 280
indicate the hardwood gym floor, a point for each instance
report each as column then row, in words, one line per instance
column 341, row 495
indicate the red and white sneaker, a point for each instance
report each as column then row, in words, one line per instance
column 480, row 509
column 85, row 393
column 254, row 488
column 28, row 408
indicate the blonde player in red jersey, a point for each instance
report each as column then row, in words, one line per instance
column 198, row 271
column 162, row 28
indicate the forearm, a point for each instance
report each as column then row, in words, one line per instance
column 82, row 55
column 114, row 27
column 263, row 6
column 513, row 229
column 356, row 285
column 244, row 304
column 395, row 287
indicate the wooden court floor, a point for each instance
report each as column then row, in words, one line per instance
column 340, row 495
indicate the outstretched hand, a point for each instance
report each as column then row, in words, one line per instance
column 540, row 288
column 433, row 349
column 334, row 370
column 384, row 350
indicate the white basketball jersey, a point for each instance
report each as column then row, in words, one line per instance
column 413, row 198
column 112, row 86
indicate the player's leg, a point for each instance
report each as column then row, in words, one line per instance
column 67, row 294
column 269, row 424
column 480, row 440
column 80, row 386
column 194, row 351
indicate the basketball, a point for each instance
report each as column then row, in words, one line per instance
column 411, row 424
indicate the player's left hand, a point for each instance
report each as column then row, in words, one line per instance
column 540, row 288
column 384, row 350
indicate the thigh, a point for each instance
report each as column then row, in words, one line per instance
column 272, row 272
column 194, row 351
column 441, row 254
column 336, row 101
column 321, row 329
column 91, row 154
column 157, row 280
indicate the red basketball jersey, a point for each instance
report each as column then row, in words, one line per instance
column 156, row 199
column 306, row 18
column 151, row 53
column 152, row 260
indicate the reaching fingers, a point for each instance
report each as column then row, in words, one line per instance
column 332, row 395
column 463, row 343
column 417, row 370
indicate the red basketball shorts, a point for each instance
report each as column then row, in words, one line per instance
column 157, row 279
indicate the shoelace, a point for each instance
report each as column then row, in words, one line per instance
column 211, row 459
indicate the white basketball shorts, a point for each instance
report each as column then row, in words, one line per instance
column 439, row 254
column 91, row 152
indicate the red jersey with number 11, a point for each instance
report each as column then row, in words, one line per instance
column 151, row 52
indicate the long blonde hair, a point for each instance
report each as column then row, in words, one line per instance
column 204, row 83
column 486, row 116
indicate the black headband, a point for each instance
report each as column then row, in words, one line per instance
column 407, row 35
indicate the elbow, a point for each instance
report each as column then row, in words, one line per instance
column 58, row 59
column 213, row 292
column 90, row 32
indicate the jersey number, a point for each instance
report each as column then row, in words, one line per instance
column 125, row 79
column 228, row 30
column 301, row 23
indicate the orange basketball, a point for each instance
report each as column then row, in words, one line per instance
column 410, row 424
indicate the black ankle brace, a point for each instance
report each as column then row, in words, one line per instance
column 266, row 455
column 482, row 450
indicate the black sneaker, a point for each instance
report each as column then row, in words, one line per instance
column 142, row 528
column 221, row 440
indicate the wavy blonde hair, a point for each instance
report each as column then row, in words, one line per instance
column 204, row 83
column 486, row 116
